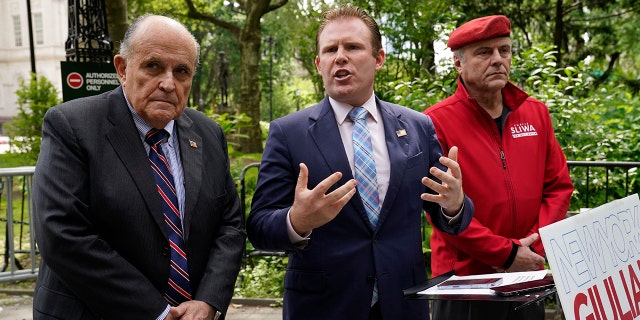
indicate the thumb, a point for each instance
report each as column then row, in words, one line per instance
column 303, row 178
column 176, row 312
column 528, row 241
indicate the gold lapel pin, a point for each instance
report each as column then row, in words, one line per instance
column 193, row 144
column 401, row 133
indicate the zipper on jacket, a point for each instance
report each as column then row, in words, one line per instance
column 502, row 157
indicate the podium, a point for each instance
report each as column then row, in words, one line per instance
column 418, row 292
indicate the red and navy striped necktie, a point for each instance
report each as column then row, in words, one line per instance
column 178, row 288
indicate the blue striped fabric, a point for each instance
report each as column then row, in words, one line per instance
column 365, row 172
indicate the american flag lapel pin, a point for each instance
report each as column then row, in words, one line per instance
column 193, row 144
column 401, row 133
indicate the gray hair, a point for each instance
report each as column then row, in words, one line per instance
column 125, row 46
column 459, row 53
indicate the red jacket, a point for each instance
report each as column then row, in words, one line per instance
column 518, row 182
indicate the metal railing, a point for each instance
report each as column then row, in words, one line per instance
column 243, row 205
column 19, row 243
column 597, row 182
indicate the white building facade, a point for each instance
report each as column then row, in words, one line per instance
column 50, row 32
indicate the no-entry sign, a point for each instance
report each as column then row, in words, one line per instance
column 74, row 80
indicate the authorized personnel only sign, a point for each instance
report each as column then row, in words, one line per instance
column 83, row 79
column 595, row 260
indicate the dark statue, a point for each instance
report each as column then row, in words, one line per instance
column 223, row 79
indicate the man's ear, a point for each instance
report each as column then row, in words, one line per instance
column 457, row 63
column 120, row 64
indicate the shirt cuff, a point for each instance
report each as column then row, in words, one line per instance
column 455, row 219
column 512, row 255
column 294, row 237
column 164, row 314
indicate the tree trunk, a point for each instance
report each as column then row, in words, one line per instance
column 117, row 22
column 249, row 41
column 250, row 93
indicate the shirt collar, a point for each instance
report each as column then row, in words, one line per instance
column 144, row 127
column 341, row 110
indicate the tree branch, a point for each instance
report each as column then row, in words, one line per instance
column 607, row 73
column 276, row 5
column 195, row 14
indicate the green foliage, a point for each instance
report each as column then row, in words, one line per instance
column 231, row 126
column 12, row 160
column 420, row 94
column 35, row 97
column 598, row 124
column 262, row 277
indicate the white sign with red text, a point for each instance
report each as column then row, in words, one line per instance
column 595, row 260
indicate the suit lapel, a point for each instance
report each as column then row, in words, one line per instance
column 398, row 148
column 125, row 140
column 326, row 136
column 191, row 155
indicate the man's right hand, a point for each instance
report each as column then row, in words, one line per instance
column 526, row 259
column 313, row 208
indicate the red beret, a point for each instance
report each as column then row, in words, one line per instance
column 479, row 29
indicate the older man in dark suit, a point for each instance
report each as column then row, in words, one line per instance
column 130, row 228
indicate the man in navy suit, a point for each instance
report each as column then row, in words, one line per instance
column 99, row 217
column 341, row 266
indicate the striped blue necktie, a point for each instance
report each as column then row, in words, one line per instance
column 365, row 166
column 365, row 172
column 178, row 287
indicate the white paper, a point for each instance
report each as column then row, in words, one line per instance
column 507, row 278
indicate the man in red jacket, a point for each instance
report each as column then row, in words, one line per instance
column 515, row 170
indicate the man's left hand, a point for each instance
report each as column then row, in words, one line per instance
column 449, row 194
column 191, row 310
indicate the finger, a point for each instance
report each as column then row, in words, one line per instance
column 432, row 197
column 433, row 185
column 177, row 312
column 325, row 184
column 453, row 153
column 341, row 196
column 452, row 165
column 528, row 241
column 448, row 182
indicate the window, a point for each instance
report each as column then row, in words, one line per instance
column 17, row 30
column 37, row 22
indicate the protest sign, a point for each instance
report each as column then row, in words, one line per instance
column 595, row 260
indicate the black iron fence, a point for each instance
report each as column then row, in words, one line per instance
column 596, row 182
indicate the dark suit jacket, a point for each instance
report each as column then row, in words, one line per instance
column 99, row 221
column 333, row 276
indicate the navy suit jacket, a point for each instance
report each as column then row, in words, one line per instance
column 99, row 221
column 332, row 277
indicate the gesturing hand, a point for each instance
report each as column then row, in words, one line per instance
column 449, row 194
column 313, row 208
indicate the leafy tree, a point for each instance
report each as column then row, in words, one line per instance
column 35, row 97
column 248, row 34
